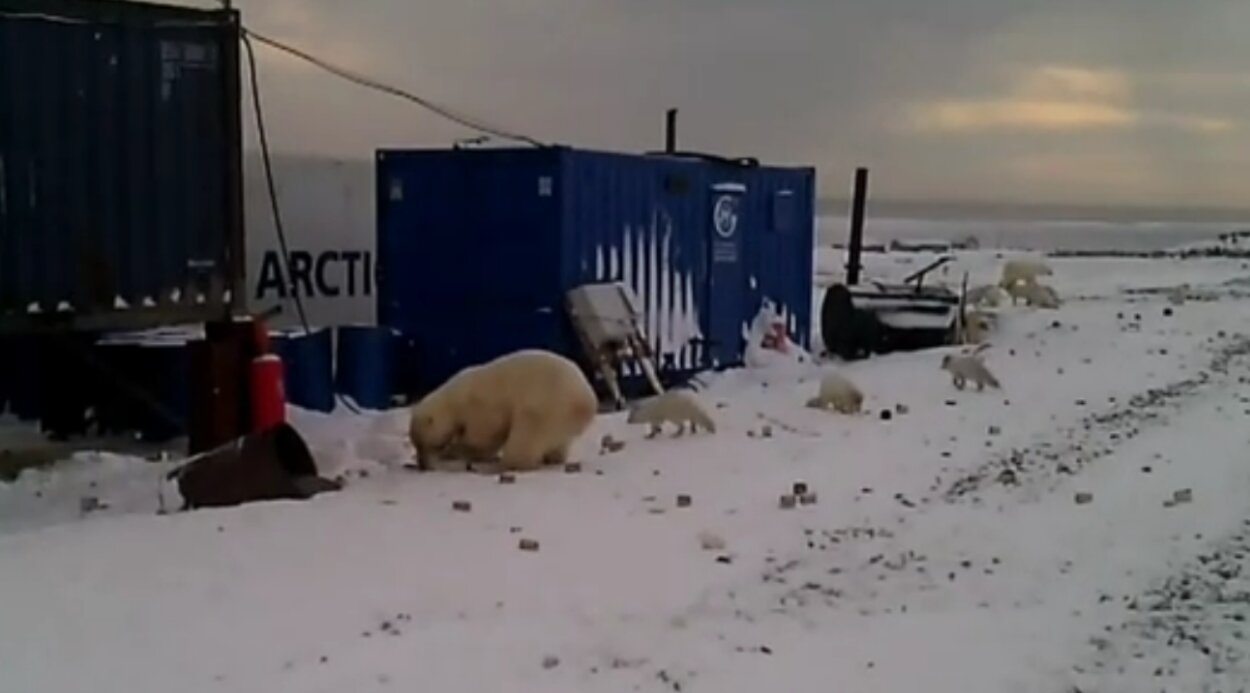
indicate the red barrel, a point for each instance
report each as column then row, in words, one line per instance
column 268, row 393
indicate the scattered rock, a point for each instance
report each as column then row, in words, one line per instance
column 1147, row 469
column 1183, row 496
column 507, row 478
column 886, row 415
column 551, row 662
column 1084, row 498
column 902, row 409
column 724, row 559
column 609, row 445
column 530, row 545
column 951, row 403
column 1167, row 312
column 461, row 506
column 800, row 488
column 684, row 501
column 808, row 498
column 788, row 502
column 573, row 468
column 90, row 504
column 995, row 430
column 766, row 431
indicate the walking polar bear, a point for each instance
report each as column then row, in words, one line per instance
column 528, row 406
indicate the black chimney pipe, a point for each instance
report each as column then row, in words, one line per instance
column 670, row 131
column 856, row 248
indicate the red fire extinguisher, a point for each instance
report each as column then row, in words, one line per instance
column 266, row 383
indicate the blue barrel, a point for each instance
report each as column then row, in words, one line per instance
column 308, row 368
column 366, row 365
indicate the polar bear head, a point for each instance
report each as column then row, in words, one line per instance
column 431, row 428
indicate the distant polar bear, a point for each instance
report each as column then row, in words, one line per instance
column 529, row 406
column 1023, row 270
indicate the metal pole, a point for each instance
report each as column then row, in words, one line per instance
column 670, row 131
column 856, row 248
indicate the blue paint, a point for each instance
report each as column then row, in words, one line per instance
column 308, row 367
column 478, row 247
column 366, row 365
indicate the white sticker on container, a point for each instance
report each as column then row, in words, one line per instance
column 397, row 190
column 544, row 186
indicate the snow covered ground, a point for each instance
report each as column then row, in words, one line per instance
column 1022, row 540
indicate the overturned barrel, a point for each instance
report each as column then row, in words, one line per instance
column 274, row 464
column 366, row 365
column 308, row 367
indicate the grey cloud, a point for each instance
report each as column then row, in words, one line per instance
column 812, row 81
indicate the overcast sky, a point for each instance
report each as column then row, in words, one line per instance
column 1080, row 101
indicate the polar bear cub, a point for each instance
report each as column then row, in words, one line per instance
column 969, row 367
column 528, row 406
column 837, row 393
column 679, row 407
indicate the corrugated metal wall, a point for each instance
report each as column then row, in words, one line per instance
column 120, row 188
column 640, row 221
column 478, row 247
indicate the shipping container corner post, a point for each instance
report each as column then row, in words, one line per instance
column 478, row 247
column 128, row 212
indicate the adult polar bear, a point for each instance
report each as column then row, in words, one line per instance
column 529, row 406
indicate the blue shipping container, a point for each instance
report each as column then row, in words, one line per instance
column 120, row 164
column 478, row 247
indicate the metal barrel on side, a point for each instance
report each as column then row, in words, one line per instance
column 273, row 464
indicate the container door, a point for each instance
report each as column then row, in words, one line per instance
column 725, row 275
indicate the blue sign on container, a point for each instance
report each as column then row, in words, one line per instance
column 366, row 365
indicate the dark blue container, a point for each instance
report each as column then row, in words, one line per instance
column 117, row 410
column 158, row 365
column 308, row 367
column 478, row 247
column 168, row 378
column 24, row 388
column 366, row 365
column 7, row 366
column 120, row 163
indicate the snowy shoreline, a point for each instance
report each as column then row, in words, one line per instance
column 948, row 550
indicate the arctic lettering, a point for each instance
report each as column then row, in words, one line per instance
column 327, row 274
